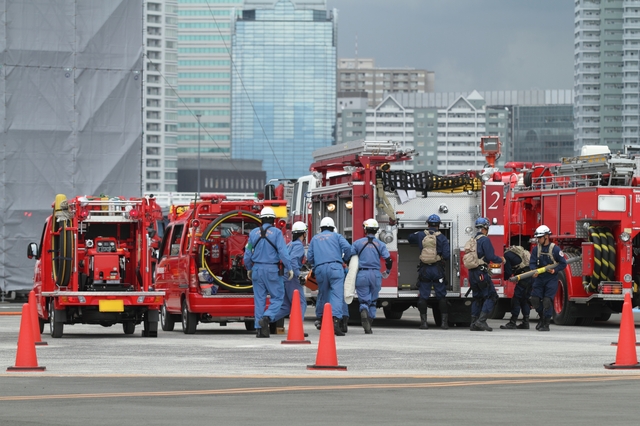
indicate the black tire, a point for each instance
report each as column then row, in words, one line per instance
column 129, row 327
column 250, row 325
column 561, row 304
column 55, row 328
column 354, row 313
column 585, row 321
column 41, row 323
column 391, row 314
column 167, row 322
column 189, row 320
column 603, row 317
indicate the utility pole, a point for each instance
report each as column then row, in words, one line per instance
column 198, row 117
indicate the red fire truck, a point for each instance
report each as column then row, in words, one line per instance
column 201, row 267
column 94, row 264
column 354, row 181
column 589, row 203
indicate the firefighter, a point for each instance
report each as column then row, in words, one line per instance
column 262, row 256
column 327, row 252
column 545, row 285
column 296, row 253
column 434, row 251
column 516, row 262
column 484, row 292
column 369, row 279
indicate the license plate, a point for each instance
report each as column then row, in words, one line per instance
column 111, row 306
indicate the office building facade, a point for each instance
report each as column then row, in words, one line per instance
column 283, row 84
column 607, row 73
column 160, row 118
column 361, row 75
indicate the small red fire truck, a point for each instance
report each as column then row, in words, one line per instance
column 94, row 264
column 201, row 267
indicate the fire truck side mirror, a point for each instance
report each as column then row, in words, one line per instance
column 32, row 251
column 151, row 232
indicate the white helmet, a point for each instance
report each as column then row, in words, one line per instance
column 327, row 222
column 370, row 223
column 267, row 212
column 299, row 227
column 541, row 231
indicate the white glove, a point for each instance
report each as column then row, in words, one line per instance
column 249, row 274
column 385, row 274
column 290, row 275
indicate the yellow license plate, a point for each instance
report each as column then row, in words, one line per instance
column 111, row 305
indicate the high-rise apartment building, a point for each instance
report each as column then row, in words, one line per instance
column 160, row 118
column 204, row 78
column 283, row 84
column 607, row 73
column 361, row 75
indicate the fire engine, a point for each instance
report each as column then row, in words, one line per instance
column 589, row 203
column 94, row 264
column 354, row 181
column 201, row 265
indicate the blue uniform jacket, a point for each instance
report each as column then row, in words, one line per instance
column 263, row 252
column 369, row 257
column 547, row 259
column 296, row 252
column 327, row 247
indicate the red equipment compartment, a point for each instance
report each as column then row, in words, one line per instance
column 587, row 258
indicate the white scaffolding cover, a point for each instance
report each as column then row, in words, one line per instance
column 71, row 113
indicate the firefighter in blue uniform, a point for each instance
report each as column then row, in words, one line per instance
column 296, row 253
column 264, row 251
column 327, row 252
column 431, row 271
column 484, row 292
column 545, row 285
column 369, row 279
column 522, row 292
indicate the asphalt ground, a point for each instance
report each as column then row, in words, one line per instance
column 400, row 374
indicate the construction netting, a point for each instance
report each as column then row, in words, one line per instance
column 71, row 85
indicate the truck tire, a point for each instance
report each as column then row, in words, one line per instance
column 189, row 320
column 392, row 314
column 167, row 322
column 250, row 325
column 561, row 304
column 41, row 323
column 56, row 328
column 129, row 327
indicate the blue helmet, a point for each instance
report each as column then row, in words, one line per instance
column 482, row 222
column 434, row 218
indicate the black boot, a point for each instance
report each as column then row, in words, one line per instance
column 318, row 323
column 525, row 323
column 264, row 326
column 364, row 318
column 545, row 324
column 511, row 325
column 540, row 323
column 344, row 324
column 481, row 323
column 423, row 322
column 337, row 330
column 445, row 321
column 473, row 322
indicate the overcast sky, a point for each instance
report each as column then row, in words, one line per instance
column 470, row 44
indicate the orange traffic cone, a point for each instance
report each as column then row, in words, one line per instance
column 626, row 356
column 296, row 331
column 35, row 321
column 327, row 358
column 26, row 359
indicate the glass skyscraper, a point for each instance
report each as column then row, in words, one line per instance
column 283, row 84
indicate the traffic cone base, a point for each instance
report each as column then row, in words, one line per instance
column 35, row 321
column 26, row 358
column 626, row 355
column 327, row 358
column 616, row 343
column 296, row 330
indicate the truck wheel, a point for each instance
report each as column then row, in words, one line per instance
column 55, row 328
column 166, row 320
column 391, row 314
column 561, row 304
column 41, row 323
column 603, row 317
column 129, row 327
column 189, row 320
column 250, row 325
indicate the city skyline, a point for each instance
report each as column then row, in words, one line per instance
column 479, row 44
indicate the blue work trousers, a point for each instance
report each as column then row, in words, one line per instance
column 368, row 283
column 266, row 281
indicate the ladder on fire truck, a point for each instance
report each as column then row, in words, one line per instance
column 361, row 148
